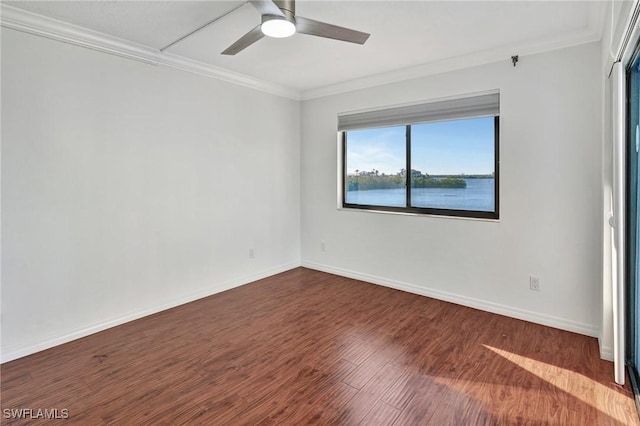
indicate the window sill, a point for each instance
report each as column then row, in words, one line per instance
column 426, row 215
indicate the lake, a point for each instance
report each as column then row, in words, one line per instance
column 478, row 195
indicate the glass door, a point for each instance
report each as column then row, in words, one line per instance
column 633, row 223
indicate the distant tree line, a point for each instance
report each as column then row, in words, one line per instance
column 367, row 180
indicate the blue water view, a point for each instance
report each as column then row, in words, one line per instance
column 479, row 195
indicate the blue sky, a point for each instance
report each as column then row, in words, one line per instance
column 446, row 147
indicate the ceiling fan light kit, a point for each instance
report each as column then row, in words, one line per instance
column 279, row 20
column 277, row 27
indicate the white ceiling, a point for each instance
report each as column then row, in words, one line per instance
column 404, row 34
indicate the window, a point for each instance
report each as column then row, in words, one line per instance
column 437, row 158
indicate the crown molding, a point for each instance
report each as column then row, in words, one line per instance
column 208, row 70
column 502, row 53
column 32, row 23
column 21, row 20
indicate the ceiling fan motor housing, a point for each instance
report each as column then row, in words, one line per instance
column 288, row 16
column 286, row 6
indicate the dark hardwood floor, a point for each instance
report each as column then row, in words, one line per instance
column 305, row 347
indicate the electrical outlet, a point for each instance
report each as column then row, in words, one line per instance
column 534, row 283
column 252, row 253
column 323, row 246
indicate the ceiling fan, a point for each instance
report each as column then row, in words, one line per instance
column 279, row 20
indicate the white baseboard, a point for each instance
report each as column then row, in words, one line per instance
column 606, row 352
column 9, row 354
column 496, row 308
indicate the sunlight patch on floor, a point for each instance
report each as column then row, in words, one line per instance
column 575, row 384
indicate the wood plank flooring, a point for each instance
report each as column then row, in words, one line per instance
column 305, row 347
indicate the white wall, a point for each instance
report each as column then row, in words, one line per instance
column 550, row 197
column 128, row 188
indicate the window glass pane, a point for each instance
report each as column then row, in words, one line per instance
column 375, row 167
column 452, row 165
